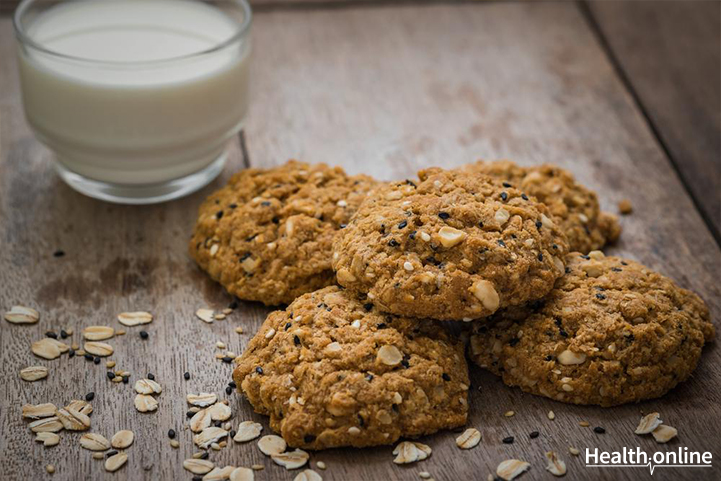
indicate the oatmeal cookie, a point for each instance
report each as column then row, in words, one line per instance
column 455, row 246
column 267, row 235
column 574, row 206
column 611, row 332
column 332, row 371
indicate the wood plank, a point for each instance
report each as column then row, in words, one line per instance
column 382, row 91
column 671, row 54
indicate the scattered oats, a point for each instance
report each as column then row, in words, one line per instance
column 223, row 444
column 80, row 405
column 79, row 352
column 320, row 465
column 663, row 434
column 509, row 414
column 200, row 420
column 230, row 354
column 271, row 444
column 247, row 431
column 48, row 348
column 215, row 446
column 145, row 403
column 469, row 439
column 147, row 386
column 48, row 439
column 94, row 442
column 239, row 330
column 198, row 466
column 98, row 456
column 219, row 474
column 121, row 332
column 648, row 423
column 291, row 459
column 134, row 318
column 205, row 315
column 73, row 420
column 34, row 373
column 551, row 415
column 22, row 315
column 584, row 424
column 174, row 443
column 220, row 345
column 46, row 425
column 194, row 409
column 270, row 333
column 227, row 426
column 37, row 411
column 204, row 399
column 219, row 412
column 98, row 348
column 209, row 436
column 511, row 469
column 242, row 474
column 410, row 452
column 117, row 379
column 555, row 466
column 227, row 311
column 390, row 355
column 486, row 292
column 98, row 333
column 115, row 462
column 308, row 475
column 219, row 317
column 50, row 468
column 122, row 439
column 110, row 364
column 568, row 358
column 574, row 451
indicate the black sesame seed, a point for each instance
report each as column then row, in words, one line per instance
column 504, row 196
column 233, row 305
column 265, row 203
column 534, row 434
column 288, row 325
column 63, row 333
column 624, row 263
column 402, row 224
column 233, row 432
column 200, row 478
column 219, row 214
column 567, row 270
column 90, row 396
column 88, row 357
column 369, row 377
column 296, row 340
column 585, row 257
column 480, row 225
column 599, row 430
column 144, row 334
column 540, row 256
column 51, row 334
column 514, row 341
column 393, row 243
column 227, row 359
column 539, row 224
column 189, row 414
column 151, row 376
column 563, row 333
column 218, row 424
column 616, row 269
column 228, row 390
column 232, row 384
column 126, row 379
column 446, row 377
column 506, row 184
column 111, row 375
column 405, row 363
column 233, row 206
column 308, row 438
column 58, row 253
column 259, row 370
column 501, row 243
column 71, row 352
column 549, row 358
column 524, row 197
column 244, row 257
column 171, row 433
column 111, row 453
column 382, row 325
column 600, row 296
column 96, row 360
column 412, row 235
column 444, row 215
column 186, row 376
column 508, row 440
column 205, row 455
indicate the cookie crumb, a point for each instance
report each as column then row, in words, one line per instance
column 625, row 207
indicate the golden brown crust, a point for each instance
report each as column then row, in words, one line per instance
column 267, row 235
column 325, row 370
column 456, row 246
column 611, row 332
column 574, row 206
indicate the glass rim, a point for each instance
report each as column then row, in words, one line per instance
column 26, row 40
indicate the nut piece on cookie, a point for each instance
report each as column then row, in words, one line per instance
column 267, row 235
column 337, row 372
column 611, row 332
column 573, row 206
column 453, row 246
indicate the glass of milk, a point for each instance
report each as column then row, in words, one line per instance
column 137, row 98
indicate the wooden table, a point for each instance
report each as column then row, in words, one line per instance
column 624, row 94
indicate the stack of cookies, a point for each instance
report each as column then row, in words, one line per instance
column 370, row 270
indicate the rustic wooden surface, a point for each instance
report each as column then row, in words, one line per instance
column 671, row 53
column 382, row 91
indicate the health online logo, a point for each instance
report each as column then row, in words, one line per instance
column 635, row 458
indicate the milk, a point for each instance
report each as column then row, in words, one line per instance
column 135, row 101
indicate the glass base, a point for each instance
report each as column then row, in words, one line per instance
column 145, row 193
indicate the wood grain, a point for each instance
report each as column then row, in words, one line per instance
column 381, row 91
column 670, row 52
